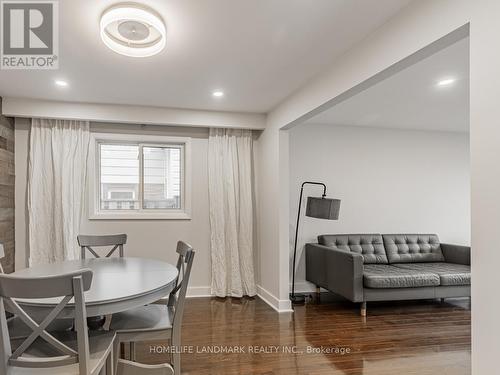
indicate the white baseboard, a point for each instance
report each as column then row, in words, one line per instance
column 198, row 291
column 277, row 304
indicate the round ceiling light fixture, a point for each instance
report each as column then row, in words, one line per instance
column 133, row 30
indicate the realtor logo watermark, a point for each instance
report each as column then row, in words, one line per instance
column 30, row 34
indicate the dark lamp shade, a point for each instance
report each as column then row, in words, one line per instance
column 323, row 208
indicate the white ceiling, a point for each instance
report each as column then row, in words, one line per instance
column 257, row 51
column 411, row 99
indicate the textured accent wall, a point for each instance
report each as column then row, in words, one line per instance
column 7, row 177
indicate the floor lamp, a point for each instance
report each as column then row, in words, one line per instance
column 320, row 208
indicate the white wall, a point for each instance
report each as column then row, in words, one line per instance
column 147, row 238
column 389, row 181
column 485, row 185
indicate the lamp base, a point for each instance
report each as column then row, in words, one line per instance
column 298, row 299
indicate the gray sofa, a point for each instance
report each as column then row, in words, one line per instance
column 375, row 267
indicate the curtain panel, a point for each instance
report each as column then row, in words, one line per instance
column 230, row 181
column 57, row 172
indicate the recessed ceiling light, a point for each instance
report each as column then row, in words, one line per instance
column 61, row 83
column 218, row 93
column 133, row 30
column 446, row 82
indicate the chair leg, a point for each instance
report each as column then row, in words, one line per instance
column 176, row 356
column 107, row 322
column 363, row 308
column 176, row 362
column 118, row 348
column 132, row 351
column 109, row 364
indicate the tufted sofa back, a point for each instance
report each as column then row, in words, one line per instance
column 412, row 248
column 371, row 246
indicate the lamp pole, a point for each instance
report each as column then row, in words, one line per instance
column 293, row 297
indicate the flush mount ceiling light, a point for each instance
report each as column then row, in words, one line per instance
column 133, row 30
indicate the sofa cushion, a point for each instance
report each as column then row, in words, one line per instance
column 371, row 246
column 387, row 276
column 412, row 248
column 449, row 273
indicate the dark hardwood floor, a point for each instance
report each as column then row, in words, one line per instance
column 411, row 338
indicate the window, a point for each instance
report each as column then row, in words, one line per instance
column 162, row 177
column 139, row 177
column 118, row 177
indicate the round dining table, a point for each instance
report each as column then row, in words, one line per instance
column 118, row 284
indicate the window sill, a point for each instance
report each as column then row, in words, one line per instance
column 140, row 216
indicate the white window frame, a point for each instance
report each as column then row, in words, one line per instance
column 95, row 212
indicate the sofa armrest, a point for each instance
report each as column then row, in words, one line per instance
column 337, row 270
column 456, row 253
column 316, row 269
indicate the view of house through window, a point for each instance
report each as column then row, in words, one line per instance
column 136, row 176
column 162, row 177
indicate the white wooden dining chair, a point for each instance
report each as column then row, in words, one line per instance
column 157, row 321
column 88, row 242
column 45, row 352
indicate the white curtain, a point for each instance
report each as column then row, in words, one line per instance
column 56, row 184
column 230, row 183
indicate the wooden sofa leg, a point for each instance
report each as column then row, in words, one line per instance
column 317, row 290
column 363, row 308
